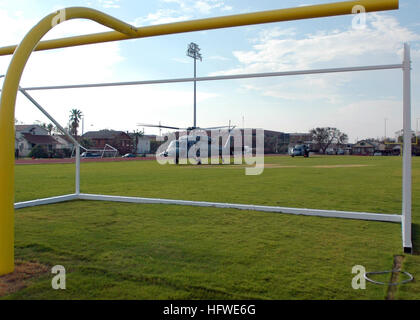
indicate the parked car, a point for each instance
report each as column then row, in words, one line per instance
column 330, row 151
column 129, row 155
column 377, row 153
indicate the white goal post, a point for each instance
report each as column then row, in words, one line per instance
column 107, row 149
column 404, row 218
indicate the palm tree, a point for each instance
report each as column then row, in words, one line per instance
column 50, row 128
column 75, row 117
column 137, row 135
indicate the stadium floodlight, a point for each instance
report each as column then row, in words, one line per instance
column 193, row 51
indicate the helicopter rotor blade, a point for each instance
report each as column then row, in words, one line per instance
column 214, row 128
column 158, row 126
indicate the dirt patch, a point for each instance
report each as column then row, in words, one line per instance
column 19, row 279
column 67, row 160
column 279, row 166
column 275, row 166
column 213, row 166
column 395, row 275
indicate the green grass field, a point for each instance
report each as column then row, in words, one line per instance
column 132, row 251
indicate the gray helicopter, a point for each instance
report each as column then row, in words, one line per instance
column 195, row 141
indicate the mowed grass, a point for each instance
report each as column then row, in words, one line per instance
column 132, row 251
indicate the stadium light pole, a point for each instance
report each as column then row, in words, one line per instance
column 385, row 120
column 83, row 125
column 194, row 52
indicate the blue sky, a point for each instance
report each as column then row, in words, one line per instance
column 356, row 103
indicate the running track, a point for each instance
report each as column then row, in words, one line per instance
column 68, row 160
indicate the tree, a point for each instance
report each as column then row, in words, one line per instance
column 43, row 125
column 75, row 117
column 86, row 143
column 324, row 137
column 50, row 128
column 270, row 145
column 342, row 139
column 38, row 152
column 137, row 135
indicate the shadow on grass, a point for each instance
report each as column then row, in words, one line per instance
column 416, row 238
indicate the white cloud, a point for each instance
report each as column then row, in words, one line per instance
column 70, row 65
column 275, row 32
column 160, row 17
column 226, row 8
column 182, row 10
column 316, row 88
column 207, row 6
column 16, row 25
column 107, row 4
column 110, row 3
column 182, row 60
column 219, row 58
column 358, row 119
column 327, row 100
column 274, row 50
column 278, row 50
column 118, row 108
column 115, row 108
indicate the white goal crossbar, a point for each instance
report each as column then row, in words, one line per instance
column 107, row 148
column 404, row 218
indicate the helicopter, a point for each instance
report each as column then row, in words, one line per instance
column 191, row 145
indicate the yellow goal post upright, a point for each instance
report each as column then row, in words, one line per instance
column 123, row 31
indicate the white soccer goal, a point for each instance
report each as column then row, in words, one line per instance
column 404, row 218
column 107, row 151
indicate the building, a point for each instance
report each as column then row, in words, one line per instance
column 348, row 148
column 276, row 141
column 64, row 147
column 143, row 143
column 300, row 138
column 29, row 136
column 389, row 149
column 119, row 140
column 364, row 148
column 28, row 141
column 64, row 142
column 33, row 129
